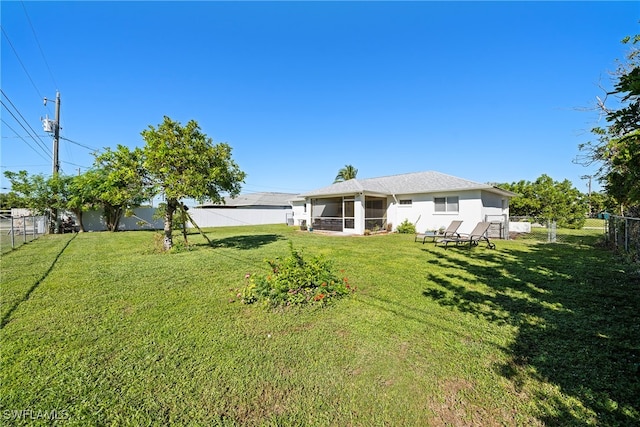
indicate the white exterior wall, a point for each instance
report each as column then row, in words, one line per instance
column 494, row 204
column 359, row 214
column 422, row 211
column 207, row 217
column 473, row 207
column 298, row 212
column 225, row 217
column 93, row 221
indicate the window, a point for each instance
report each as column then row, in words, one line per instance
column 405, row 202
column 446, row 204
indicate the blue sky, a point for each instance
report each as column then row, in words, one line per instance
column 487, row 91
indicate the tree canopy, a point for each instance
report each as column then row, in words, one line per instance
column 346, row 173
column 549, row 200
column 118, row 182
column 33, row 192
column 617, row 145
column 183, row 162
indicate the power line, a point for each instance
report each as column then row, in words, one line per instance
column 41, row 144
column 25, row 141
column 21, row 63
column 80, row 145
column 25, row 129
column 23, row 166
column 39, row 46
column 74, row 164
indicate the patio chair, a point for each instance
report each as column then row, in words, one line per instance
column 451, row 231
column 473, row 238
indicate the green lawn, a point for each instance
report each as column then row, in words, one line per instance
column 99, row 329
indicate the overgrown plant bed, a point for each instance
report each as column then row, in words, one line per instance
column 295, row 280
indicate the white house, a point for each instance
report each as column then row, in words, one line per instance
column 430, row 200
column 246, row 209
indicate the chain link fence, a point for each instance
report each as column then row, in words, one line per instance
column 545, row 231
column 16, row 231
column 623, row 233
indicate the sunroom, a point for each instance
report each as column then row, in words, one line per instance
column 349, row 214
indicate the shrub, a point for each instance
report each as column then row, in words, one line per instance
column 295, row 281
column 406, row 227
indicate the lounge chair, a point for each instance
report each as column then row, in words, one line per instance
column 451, row 231
column 473, row 238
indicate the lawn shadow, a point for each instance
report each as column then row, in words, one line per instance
column 576, row 312
column 7, row 316
column 245, row 242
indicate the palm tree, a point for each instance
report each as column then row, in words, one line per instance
column 346, row 173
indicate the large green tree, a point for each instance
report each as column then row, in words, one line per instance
column 184, row 163
column 617, row 145
column 34, row 192
column 10, row 200
column 80, row 194
column 346, row 173
column 549, row 200
column 40, row 193
column 118, row 182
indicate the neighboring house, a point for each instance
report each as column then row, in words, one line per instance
column 430, row 200
column 246, row 209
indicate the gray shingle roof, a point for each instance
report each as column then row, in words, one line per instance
column 255, row 199
column 408, row 183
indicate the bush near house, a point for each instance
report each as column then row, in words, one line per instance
column 406, row 227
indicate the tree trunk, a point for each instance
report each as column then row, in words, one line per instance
column 172, row 204
column 78, row 214
column 112, row 216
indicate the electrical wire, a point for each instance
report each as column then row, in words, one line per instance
column 41, row 143
column 74, row 164
column 80, row 145
column 4, row 33
column 25, row 141
column 39, row 46
column 21, row 125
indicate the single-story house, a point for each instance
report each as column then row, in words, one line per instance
column 430, row 200
column 246, row 209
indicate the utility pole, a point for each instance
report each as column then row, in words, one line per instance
column 589, row 186
column 56, row 137
column 56, row 161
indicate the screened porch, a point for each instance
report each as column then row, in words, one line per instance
column 339, row 213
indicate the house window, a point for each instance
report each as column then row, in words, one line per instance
column 405, row 202
column 446, row 204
